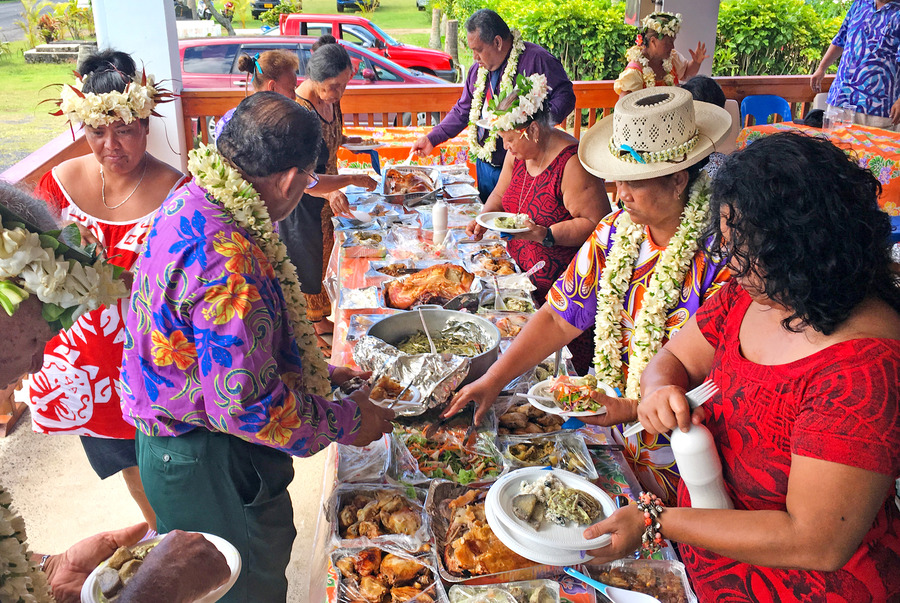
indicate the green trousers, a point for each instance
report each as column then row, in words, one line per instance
column 212, row 482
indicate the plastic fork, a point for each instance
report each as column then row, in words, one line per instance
column 696, row 397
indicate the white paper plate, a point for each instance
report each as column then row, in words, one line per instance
column 90, row 591
column 487, row 220
column 363, row 147
column 544, row 554
column 543, row 389
column 569, row 538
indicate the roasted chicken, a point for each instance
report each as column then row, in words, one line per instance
column 392, row 580
column 441, row 282
column 377, row 513
column 398, row 182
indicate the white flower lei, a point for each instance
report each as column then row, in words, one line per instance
column 524, row 106
column 661, row 296
column 29, row 264
column 226, row 185
column 635, row 54
column 21, row 580
column 136, row 102
column 485, row 151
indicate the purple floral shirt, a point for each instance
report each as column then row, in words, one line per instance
column 209, row 343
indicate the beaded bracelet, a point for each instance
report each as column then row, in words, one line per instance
column 651, row 506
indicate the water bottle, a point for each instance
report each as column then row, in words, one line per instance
column 700, row 467
column 439, row 221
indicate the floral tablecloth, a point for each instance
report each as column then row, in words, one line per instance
column 398, row 142
column 876, row 149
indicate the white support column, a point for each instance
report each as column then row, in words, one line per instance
column 699, row 25
column 146, row 30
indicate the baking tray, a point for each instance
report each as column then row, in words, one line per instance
column 409, row 199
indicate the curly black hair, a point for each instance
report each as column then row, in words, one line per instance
column 803, row 219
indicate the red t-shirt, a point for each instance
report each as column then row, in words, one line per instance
column 839, row 405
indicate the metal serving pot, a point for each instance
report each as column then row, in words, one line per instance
column 398, row 326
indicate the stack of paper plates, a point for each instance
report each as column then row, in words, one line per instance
column 551, row 544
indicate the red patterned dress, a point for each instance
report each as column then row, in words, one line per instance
column 541, row 198
column 841, row 405
column 76, row 390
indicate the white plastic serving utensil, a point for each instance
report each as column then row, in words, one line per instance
column 427, row 334
column 538, row 398
column 408, row 158
column 696, row 397
column 614, row 594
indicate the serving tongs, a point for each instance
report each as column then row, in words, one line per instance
column 429, row 196
column 468, row 439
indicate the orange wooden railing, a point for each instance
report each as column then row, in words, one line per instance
column 378, row 104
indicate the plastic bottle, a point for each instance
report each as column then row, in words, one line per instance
column 439, row 221
column 700, row 467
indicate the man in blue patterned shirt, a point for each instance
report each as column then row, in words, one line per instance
column 868, row 77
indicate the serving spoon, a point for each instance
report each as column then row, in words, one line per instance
column 612, row 593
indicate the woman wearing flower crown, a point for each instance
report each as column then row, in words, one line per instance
column 653, row 60
column 222, row 374
column 641, row 274
column 542, row 179
column 112, row 195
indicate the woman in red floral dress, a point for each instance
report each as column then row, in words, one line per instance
column 804, row 345
column 112, row 195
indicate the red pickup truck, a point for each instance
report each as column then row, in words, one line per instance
column 363, row 32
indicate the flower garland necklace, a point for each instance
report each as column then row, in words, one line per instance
column 635, row 57
column 21, row 579
column 485, row 151
column 661, row 295
column 229, row 189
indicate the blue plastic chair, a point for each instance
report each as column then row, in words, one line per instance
column 761, row 106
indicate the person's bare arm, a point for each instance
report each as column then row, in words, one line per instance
column 544, row 333
column 831, row 55
column 820, row 528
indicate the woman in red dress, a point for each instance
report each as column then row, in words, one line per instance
column 543, row 179
column 804, row 346
column 112, row 195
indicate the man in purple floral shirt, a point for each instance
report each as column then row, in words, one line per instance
column 212, row 376
column 868, row 77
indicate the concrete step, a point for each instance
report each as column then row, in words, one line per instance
column 35, row 56
column 58, row 47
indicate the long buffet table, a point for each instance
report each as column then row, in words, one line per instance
column 352, row 471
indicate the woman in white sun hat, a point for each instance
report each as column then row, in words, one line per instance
column 642, row 274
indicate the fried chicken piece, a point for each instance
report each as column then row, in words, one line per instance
column 347, row 567
column 397, row 571
column 369, row 529
column 405, row 521
column 371, row 589
column 390, row 502
column 347, row 516
column 369, row 512
column 402, row 594
column 463, row 500
column 368, row 561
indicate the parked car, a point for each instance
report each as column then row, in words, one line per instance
column 363, row 32
column 421, row 4
column 212, row 62
column 258, row 7
column 343, row 5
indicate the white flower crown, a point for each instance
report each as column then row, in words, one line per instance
column 140, row 97
column 664, row 24
column 531, row 92
column 32, row 263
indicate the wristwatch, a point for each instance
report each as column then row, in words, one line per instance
column 548, row 241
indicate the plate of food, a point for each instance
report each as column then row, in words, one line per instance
column 105, row 583
column 569, row 396
column 503, row 221
column 386, row 390
column 550, row 508
column 366, row 144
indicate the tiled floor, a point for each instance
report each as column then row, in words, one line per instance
column 63, row 500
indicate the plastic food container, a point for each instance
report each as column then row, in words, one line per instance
column 665, row 580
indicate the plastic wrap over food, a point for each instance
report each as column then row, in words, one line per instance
column 366, row 463
column 435, row 375
column 417, row 459
column 365, row 514
column 563, row 450
column 528, row 591
column 387, row 573
column 665, row 580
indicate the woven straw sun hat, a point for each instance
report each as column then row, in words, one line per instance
column 653, row 132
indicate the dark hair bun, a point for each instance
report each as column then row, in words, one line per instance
column 245, row 63
column 108, row 70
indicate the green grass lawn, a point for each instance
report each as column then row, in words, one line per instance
column 25, row 124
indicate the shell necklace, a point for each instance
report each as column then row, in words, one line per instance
column 125, row 200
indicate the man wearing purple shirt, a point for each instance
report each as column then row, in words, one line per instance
column 491, row 42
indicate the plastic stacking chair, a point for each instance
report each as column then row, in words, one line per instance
column 761, row 106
